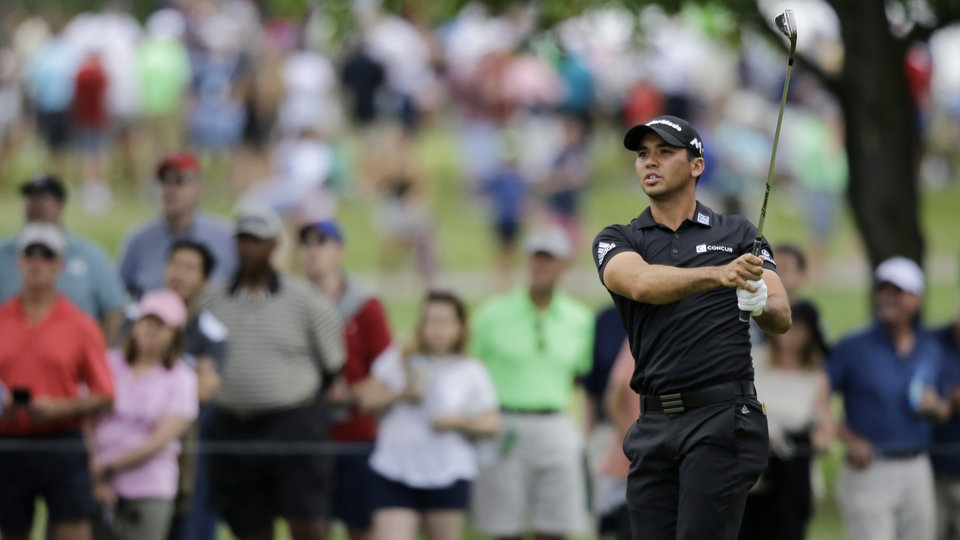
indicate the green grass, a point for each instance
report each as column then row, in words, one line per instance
column 464, row 243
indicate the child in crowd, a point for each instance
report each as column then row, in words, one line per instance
column 435, row 401
column 136, row 444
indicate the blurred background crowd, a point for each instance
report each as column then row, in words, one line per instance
column 478, row 153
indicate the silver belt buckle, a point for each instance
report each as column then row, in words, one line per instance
column 672, row 403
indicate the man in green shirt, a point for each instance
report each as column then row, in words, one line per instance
column 535, row 342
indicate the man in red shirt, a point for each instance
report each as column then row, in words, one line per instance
column 48, row 349
column 367, row 336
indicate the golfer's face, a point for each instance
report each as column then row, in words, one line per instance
column 663, row 169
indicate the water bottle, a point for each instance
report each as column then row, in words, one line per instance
column 918, row 385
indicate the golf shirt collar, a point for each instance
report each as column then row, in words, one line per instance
column 272, row 288
column 702, row 216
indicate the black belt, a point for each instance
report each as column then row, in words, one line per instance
column 684, row 401
column 899, row 454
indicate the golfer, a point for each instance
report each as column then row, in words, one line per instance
column 679, row 275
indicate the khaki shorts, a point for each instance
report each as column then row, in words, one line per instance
column 538, row 479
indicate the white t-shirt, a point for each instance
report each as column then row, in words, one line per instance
column 408, row 450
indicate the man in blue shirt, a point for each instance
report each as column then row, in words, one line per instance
column 946, row 437
column 144, row 252
column 887, row 374
column 88, row 279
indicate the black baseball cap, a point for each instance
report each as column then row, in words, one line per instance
column 45, row 183
column 675, row 131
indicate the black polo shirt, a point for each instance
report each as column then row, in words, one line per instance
column 698, row 341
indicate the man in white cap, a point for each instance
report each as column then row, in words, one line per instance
column 48, row 349
column 535, row 342
column 887, row 374
column 286, row 342
column 88, row 279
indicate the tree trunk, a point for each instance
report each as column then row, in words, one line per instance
column 882, row 136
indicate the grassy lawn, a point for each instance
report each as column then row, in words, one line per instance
column 464, row 244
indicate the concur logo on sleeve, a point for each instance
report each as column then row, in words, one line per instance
column 703, row 248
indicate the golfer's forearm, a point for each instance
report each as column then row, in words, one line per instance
column 776, row 317
column 659, row 284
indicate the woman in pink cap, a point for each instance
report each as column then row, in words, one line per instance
column 136, row 445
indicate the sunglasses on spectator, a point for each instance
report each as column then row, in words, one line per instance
column 39, row 250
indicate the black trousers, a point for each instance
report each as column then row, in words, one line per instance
column 690, row 472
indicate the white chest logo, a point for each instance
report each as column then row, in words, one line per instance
column 703, row 248
column 602, row 249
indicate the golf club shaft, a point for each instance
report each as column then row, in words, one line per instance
column 758, row 241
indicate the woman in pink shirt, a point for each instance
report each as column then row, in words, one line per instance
column 136, row 444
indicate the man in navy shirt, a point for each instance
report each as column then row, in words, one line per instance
column 680, row 274
column 887, row 374
column 946, row 438
column 145, row 251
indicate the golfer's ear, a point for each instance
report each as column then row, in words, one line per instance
column 697, row 166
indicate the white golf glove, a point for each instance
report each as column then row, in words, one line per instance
column 754, row 302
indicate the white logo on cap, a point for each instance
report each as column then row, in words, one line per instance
column 602, row 249
column 666, row 122
column 703, row 218
column 696, row 144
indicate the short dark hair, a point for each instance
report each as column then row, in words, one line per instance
column 207, row 258
column 795, row 252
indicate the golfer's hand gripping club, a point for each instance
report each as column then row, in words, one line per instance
column 787, row 24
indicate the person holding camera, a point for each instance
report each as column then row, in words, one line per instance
column 48, row 349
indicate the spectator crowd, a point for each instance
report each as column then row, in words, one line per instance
column 198, row 380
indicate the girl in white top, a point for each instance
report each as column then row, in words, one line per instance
column 435, row 402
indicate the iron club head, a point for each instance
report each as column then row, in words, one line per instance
column 787, row 23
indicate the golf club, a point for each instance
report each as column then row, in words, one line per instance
column 786, row 23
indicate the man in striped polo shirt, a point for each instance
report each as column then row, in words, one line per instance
column 286, row 340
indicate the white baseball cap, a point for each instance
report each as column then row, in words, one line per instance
column 258, row 221
column 902, row 272
column 552, row 240
column 45, row 234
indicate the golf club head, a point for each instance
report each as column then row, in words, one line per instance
column 787, row 23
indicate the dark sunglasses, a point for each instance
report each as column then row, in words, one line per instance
column 39, row 250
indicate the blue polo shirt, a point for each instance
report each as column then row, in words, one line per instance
column 948, row 435
column 875, row 383
column 88, row 280
column 144, row 253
